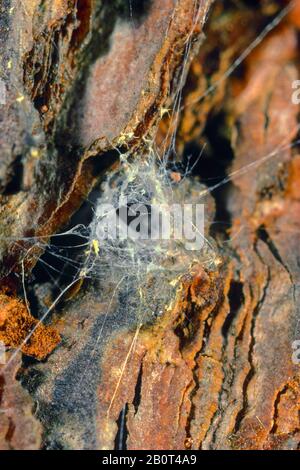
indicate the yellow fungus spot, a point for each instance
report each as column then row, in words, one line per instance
column 124, row 136
column 164, row 111
column 218, row 261
column 96, row 247
column 83, row 273
column 20, row 98
column 34, row 152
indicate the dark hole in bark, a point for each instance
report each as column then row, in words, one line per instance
column 212, row 168
column 53, row 265
column 136, row 10
column 138, row 390
column 236, row 300
column 15, row 184
column 122, row 434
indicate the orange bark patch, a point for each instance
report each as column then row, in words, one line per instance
column 293, row 184
column 15, row 325
column 294, row 16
